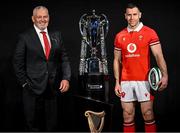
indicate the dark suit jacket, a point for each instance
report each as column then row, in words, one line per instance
column 31, row 66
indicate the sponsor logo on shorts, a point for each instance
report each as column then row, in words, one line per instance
column 146, row 94
column 123, row 94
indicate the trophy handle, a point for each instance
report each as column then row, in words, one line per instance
column 81, row 23
column 106, row 23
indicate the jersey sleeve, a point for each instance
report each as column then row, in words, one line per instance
column 117, row 44
column 154, row 39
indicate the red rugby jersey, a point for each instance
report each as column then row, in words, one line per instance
column 134, row 46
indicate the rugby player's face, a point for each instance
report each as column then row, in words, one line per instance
column 132, row 16
column 41, row 18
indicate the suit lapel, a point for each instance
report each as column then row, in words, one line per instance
column 37, row 43
column 53, row 43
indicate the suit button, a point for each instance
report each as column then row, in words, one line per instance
column 47, row 72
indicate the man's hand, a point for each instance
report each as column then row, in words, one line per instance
column 117, row 90
column 64, row 86
column 163, row 83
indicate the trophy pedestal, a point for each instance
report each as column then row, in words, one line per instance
column 95, row 86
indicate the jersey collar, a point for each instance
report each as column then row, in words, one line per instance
column 138, row 28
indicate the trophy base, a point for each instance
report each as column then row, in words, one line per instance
column 94, row 86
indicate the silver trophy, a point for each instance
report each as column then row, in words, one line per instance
column 93, row 61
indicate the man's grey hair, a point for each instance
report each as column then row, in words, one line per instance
column 37, row 8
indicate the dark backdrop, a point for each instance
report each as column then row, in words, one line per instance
column 65, row 15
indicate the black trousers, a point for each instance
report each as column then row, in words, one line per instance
column 40, row 111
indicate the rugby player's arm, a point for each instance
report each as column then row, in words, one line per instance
column 117, row 70
column 158, row 54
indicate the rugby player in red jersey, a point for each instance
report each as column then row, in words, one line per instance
column 131, row 65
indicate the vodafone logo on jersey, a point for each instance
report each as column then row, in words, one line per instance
column 131, row 47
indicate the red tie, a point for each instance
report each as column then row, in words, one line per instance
column 46, row 43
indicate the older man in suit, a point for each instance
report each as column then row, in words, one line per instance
column 43, row 70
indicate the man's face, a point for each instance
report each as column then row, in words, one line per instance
column 132, row 16
column 41, row 18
